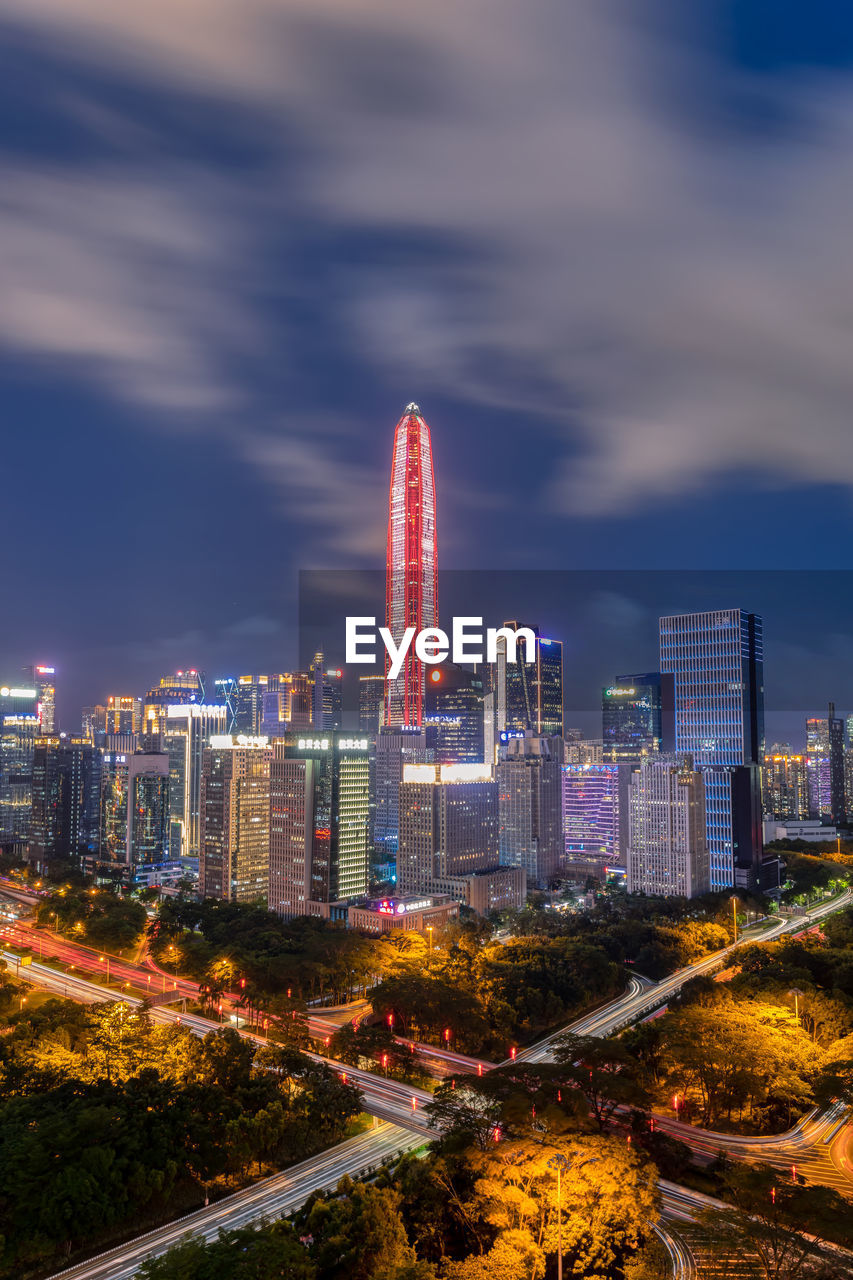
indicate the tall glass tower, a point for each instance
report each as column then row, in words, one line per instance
column 411, row 581
column 717, row 661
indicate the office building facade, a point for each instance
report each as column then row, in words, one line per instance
column 529, row 779
column 594, row 819
column 66, row 800
column 637, row 717
column 319, row 811
column 234, row 851
column 717, row 661
column 667, row 846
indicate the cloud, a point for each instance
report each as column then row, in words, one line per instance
column 550, row 210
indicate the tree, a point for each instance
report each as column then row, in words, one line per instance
column 764, row 1220
column 248, row 1253
column 608, row 1200
column 604, row 1071
column 469, row 1113
column 227, row 1058
column 740, row 1057
column 358, row 1234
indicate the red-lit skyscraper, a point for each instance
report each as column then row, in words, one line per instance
column 411, row 584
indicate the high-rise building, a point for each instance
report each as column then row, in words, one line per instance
column 371, row 703
column 594, row 817
column 784, row 790
column 453, row 714
column 529, row 778
column 134, row 810
column 523, row 695
column 234, row 854
column 826, row 766
column 667, row 845
column 411, row 582
column 249, row 704
column 299, row 692
column 179, row 689
column 396, row 746
column 717, row 660
column 448, row 822
column 326, row 694
column 123, row 714
column 837, row 796
column 18, row 734
column 43, row 678
column 449, row 837
column 188, row 728
column 637, row 717
column 66, row 800
column 318, row 822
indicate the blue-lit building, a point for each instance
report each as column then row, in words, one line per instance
column 717, row 662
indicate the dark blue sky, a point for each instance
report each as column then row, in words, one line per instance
column 605, row 247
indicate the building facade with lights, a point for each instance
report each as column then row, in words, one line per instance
column 411, row 573
column 449, row 838
column 234, row 850
column 784, row 786
column 453, row 714
column 529, row 778
column 319, row 811
column 135, row 810
column 66, row 800
column 667, row 846
column 396, row 747
column 717, row 661
column 188, row 729
column 523, row 695
column 637, row 717
column 594, row 817
column 19, row 731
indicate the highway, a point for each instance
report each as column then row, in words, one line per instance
column 642, row 996
column 385, row 1098
column 813, row 1142
column 274, row 1197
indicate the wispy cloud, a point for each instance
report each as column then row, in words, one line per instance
column 542, row 229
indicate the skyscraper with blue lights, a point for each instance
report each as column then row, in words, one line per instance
column 717, row 661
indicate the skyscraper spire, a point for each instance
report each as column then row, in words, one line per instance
column 411, row 582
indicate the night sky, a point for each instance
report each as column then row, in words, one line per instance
column 605, row 247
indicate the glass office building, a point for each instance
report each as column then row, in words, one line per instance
column 717, row 661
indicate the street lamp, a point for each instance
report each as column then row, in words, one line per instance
column 734, row 914
column 562, row 1164
column 429, row 929
column 796, row 993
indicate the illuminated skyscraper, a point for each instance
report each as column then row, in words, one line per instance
column 134, row 810
column 411, row 582
column 637, row 717
column 717, row 659
column 529, row 780
column 234, row 852
column 44, row 680
column 667, row 844
column 521, row 695
column 124, row 714
column 66, row 800
column 318, row 822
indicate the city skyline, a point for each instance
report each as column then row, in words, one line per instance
column 206, row 335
